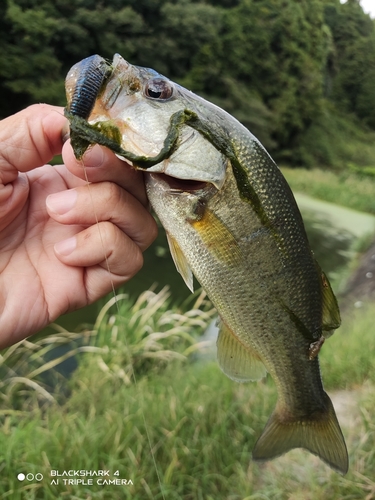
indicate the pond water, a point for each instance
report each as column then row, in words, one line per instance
column 332, row 231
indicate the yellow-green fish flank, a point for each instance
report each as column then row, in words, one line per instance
column 232, row 221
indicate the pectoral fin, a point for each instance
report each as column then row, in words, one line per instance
column 180, row 262
column 218, row 239
column 238, row 362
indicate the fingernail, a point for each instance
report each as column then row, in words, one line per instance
column 94, row 157
column 66, row 247
column 62, row 202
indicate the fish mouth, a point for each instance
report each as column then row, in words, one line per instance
column 181, row 185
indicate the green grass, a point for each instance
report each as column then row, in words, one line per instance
column 201, row 433
column 348, row 357
column 345, row 188
column 200, row 426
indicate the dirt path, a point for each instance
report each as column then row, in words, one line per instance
column 360, row 288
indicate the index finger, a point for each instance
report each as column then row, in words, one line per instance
column 29, row 139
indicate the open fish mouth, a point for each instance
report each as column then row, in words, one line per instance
column 181, row 185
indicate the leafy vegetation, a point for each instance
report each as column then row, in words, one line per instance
column 183, row 420
column 136, row 339
column 299, row 75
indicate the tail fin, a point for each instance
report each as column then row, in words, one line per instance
column 322, row 437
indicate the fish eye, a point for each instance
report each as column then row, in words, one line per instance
column 159, row 89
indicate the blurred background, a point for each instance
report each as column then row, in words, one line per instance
column 300, row 75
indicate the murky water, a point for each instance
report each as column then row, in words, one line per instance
column 332, row 246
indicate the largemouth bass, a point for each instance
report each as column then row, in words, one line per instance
column 232, row 221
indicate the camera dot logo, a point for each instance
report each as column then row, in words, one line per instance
column 30, row 477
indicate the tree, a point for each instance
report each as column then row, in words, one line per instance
column 40, row 41
column 275, row 50
column 279, row 66
column 353, row 65
column 28, row 64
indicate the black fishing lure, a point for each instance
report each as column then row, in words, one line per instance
column 84, row 83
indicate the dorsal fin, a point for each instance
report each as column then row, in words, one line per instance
column 330, row 313
column 238, row 362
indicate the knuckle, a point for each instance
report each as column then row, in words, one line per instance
column 152, row 231
column 112, row 193
column 109, row 233
column 137, row 261
column 121, row 251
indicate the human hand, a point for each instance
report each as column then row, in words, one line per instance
column 54, row 256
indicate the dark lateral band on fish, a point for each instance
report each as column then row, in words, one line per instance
column 304, row 331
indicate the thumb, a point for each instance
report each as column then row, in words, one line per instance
column 29, row 139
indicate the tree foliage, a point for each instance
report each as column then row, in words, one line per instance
column 280, row 66
column 354, row 59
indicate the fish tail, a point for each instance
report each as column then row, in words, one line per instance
column 321, row 436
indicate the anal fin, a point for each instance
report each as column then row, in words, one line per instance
column 238, row 362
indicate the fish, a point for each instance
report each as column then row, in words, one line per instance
column 231, row 221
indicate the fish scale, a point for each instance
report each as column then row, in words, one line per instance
column 232, row 220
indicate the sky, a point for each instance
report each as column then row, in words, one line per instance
column 369, row 7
